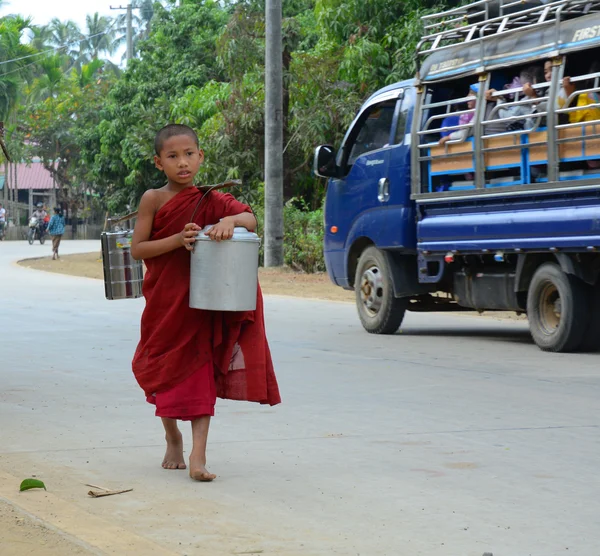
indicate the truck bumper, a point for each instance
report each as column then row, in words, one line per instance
column 335, row 262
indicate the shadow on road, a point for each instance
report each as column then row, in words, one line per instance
column 521, row 336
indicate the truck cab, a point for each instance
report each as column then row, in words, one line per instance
column 369, row 198
column 467, row 189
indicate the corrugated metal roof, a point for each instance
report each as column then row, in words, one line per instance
column 33, row 176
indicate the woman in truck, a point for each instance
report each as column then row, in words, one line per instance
column 461, row 135
column 526, row 79
column 590, row 114
column 583, row 99
column 567, row 89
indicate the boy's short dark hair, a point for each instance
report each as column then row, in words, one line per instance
column 173, row 130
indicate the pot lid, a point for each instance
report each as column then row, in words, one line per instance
column 239, row 234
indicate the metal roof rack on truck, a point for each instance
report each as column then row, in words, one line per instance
column 486, row 18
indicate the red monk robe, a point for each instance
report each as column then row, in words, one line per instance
column 186, row 357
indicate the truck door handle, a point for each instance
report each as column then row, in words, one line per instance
column 383, row 190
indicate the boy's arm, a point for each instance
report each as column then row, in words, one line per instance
column 244, row 220
column 141, row 245
column 224, row 229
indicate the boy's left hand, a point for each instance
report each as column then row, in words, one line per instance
column 221, row 231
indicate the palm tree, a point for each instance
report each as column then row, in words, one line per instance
column 66, row 36
column 100, row 31
column 17, row 66
column 47, row 84
column 86, row 75
column 40, row 37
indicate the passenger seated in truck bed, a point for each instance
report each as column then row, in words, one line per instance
column 583, row 99
column 527, row 77
column 461, row 135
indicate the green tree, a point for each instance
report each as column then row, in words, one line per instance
column 15, row 67
column 65, row 36
column 100, row 37
column 58, row 128
column 50, row 74
column 178, row 56
column 40, row 37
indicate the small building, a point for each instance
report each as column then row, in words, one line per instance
column 34, row 184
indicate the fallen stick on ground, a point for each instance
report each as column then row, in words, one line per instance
column 101, row 491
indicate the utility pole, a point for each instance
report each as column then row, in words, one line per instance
column 129, row 19
column 273, row 136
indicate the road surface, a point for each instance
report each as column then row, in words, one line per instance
column 455, row 437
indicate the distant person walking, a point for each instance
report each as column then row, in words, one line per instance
column 56, row 229
column 2, row 221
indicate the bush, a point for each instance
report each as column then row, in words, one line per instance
column 303, row 239
column 303, row 235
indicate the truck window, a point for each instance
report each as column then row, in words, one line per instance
column 408, row 102
column 372, row 131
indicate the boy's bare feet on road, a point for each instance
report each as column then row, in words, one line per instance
column 174, row 454
column 198, row 470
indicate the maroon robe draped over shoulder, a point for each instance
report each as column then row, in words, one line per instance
column 178, row 341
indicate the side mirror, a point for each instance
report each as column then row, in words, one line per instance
column 324, row 165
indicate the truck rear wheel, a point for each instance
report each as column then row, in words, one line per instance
column 379, row 311
column 557, row 309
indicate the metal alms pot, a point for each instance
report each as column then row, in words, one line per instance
column 123, row 275
column 224, row 274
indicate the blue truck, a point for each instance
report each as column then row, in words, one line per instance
column 466, row 188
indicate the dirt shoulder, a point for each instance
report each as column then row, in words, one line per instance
column 21, row 535
column 274, row 281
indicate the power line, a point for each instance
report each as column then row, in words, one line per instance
column 18, row 69
column 82, row 38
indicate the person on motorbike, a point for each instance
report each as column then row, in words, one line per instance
column 40, row 214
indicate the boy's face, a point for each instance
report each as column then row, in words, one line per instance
column 472, row 101
column 548, row 71
column 180, row 159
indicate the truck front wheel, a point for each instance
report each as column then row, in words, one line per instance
column 557, row 309
column 379, row 311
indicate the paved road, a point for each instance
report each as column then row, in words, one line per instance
column 455, row 437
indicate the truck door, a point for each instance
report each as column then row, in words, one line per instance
column 398, row 212
column 364, row 158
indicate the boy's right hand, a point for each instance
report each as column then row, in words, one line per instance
column 489, row 95
column 187, row 236
column 529, row 91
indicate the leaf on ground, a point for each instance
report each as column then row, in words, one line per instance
column 28, row 484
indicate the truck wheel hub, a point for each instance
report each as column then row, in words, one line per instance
column 550, row 308
column 371, row 289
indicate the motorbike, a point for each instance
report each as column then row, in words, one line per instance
column 36, row 231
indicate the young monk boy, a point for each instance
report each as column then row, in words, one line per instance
column 187, row 357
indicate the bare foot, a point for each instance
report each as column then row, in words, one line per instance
column 198, row 470
column 174, row 454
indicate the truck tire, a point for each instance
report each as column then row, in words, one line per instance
column 557, row 309
column 379, row 311
column 591, row 338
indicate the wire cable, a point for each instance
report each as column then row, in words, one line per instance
column 81, row 39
